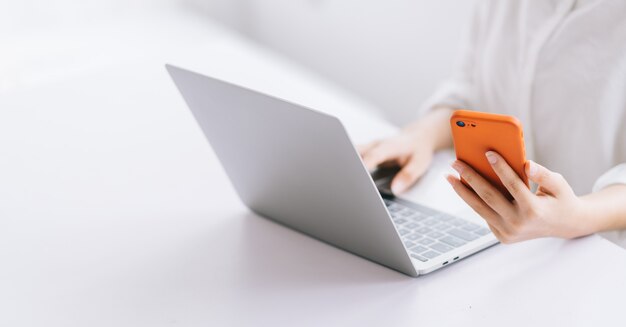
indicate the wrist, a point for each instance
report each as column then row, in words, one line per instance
column 432, row 131
column 605, row 209
column 420, row 135
column 586, row 222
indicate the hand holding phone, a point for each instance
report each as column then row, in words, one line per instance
column 474, row 133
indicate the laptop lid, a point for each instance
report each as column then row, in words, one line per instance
column 295, row 166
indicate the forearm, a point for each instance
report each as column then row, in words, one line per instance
column 606, row 209
column 432, row 129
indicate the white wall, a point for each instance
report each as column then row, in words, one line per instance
column 233, row 13
column 392, row 53
column 43, row 41
column 34, row 15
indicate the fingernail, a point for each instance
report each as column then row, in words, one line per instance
column 491, row 157
column 457, row 166
column 397, row 187
column 449, row 178
column 532, row 168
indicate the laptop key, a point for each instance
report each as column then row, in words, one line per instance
column 406, row 213
column 411, row 225
column 424, row 230
column 435, row 234
column 394, row 207
column 467, row 236
column 445, row 217
column 409, row 244
column 431, row 222
column 404, row 232
column 419, row 257
column 413, row 237
column 442, row 226
column 470, row 227
column 400, row 221
column 418, row 249
column 452, row 241
column 440, row 247
column 418, row 217
column 431, row 254
column 482, row 231
column 426, row 241
column 457, row 222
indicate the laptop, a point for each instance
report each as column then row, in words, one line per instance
column 298, row 167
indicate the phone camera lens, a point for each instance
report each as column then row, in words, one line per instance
column 460, row 124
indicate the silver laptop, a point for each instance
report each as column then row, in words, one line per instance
column 298, row 167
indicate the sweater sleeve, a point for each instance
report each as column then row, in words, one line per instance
column 615, row 175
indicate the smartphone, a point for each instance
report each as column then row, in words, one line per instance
column 475, row 133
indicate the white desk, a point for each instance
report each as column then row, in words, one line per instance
column 115, row 212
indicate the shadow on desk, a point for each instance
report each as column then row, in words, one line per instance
column 277, row 257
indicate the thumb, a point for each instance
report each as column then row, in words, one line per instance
column 407, row 176
column 547, row 180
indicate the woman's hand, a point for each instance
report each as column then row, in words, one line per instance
column 554, row 210
column 403, row 150
column 412, row 149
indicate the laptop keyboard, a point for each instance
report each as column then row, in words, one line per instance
column 427, row 233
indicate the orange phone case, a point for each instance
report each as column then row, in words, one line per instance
column 482, row 132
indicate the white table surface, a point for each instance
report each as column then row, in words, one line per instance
column 114, row 211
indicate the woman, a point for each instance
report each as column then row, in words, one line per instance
column 560, row 67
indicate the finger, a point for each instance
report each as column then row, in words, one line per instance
column 376, row 156
column 494, row 221
column 475, row 202
column 487, row 192
column 548, row 181
column 509, row 178
column 408, row 175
